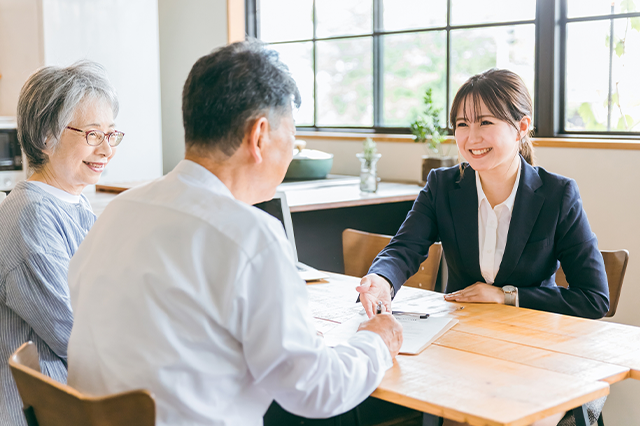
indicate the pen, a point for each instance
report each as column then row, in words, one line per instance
column 421, row 315
column 379, row 308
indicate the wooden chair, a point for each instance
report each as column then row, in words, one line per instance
column 615, row 264
column 360, row 248
column 50, row 403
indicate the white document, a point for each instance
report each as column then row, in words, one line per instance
column 417, row 333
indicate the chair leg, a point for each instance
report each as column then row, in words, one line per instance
column 431, row 420
column 600, row 420
column 581, row 416
column 30, row 416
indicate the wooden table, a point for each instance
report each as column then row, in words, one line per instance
column 502, row 365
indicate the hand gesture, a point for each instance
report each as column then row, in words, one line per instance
column 477, row 293
column 387, row 327
column 374, row 288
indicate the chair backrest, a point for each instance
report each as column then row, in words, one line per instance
column 49, row 403
column 360, row 248
column 615, row 265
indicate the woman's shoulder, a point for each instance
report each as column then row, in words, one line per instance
column 448, row 176
column 556, row 183
column 27, row 219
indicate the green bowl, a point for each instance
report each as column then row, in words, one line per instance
column 304, row 168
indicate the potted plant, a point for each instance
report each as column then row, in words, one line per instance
column 426, row 129
column 368, row 171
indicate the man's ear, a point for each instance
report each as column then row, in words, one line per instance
column 256, row 136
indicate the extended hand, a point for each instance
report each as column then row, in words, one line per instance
column 478, row 293
column 388, row 328
column 374, row 288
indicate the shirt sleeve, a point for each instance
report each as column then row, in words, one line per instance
column 406, row 251
column 37, row 291
column 577, row 250
column 284, row 353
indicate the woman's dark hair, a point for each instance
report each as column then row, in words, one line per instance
column 505, row 95
column 228, row 89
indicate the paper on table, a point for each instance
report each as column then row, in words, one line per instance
column 417, row 333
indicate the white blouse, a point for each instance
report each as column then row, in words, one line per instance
column 493, row 228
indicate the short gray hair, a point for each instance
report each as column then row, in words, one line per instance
column 48, row 101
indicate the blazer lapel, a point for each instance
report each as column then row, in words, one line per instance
column 526, row 208
column 463, row 202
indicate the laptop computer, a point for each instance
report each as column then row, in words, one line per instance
column 278, row 208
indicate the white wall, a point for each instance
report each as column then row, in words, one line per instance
column 20, row 49
column 188, row 30
column 609, row 185
column 123, row 36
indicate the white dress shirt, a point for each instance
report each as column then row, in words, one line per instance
column 183, row 290
column 493, row 228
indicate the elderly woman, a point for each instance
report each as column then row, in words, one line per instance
column 66, row 130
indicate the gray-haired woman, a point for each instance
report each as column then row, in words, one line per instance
column 66, row 130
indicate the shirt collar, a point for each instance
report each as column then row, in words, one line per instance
column 200, row 175
column 509, row 202
column 56, row 192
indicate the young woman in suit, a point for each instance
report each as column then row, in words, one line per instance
column 505, row 224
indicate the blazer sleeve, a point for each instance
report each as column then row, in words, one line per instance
column 576, row 247
column 402, row 257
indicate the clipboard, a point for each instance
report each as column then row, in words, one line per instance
column 417, row 333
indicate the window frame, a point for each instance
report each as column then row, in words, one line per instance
column 549, row 69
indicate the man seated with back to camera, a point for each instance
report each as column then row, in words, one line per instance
column 183, row 288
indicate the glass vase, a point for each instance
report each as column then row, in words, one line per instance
column 368, row 172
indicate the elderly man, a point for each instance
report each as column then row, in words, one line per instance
column 185, row 289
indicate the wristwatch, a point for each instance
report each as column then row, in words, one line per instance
column 510, row 295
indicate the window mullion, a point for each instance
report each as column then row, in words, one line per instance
column 447, row 79
column 314, row 60
column 378, row 65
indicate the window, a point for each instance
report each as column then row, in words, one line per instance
column 602, row 67
column 365, row 64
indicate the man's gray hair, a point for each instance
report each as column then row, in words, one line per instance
column 48, row 101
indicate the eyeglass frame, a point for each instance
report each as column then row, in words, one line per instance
column 107, row 136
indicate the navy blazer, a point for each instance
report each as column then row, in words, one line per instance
column 548, row 227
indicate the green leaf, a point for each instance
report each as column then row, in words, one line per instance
column 620, row 48
column 614, row 98
column 607, row 41
column 635, row 23
column 625, row 123
column 627, row 6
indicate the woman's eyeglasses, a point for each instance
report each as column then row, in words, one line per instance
column 96, row 137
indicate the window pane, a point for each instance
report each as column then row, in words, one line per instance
column 576, row 8
column 488, row 11
column 343, row 17
column 345, row 82
column 423, row 14
column 475, row 51
column 299, row 58
column 412, row 64
column 587, row 78
column 295, row 24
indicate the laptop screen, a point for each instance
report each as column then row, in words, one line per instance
column 278, row 208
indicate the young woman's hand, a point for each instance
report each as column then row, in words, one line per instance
column 374, row 288
column 477, row 293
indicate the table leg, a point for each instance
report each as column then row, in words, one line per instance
column 431, row 420
column 581, row 416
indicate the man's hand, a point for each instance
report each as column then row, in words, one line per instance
column 388, row 328
column 374, row 288
column 478, row 293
